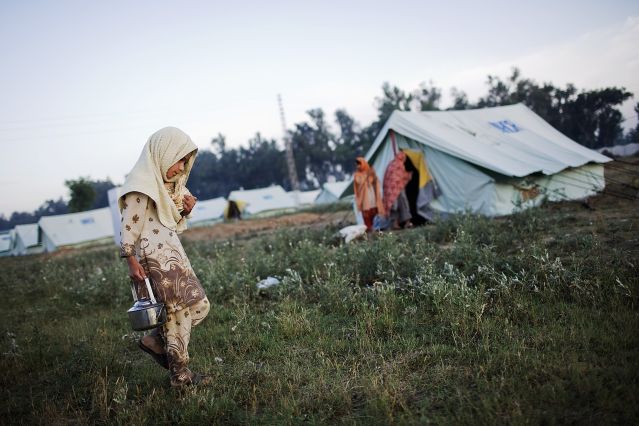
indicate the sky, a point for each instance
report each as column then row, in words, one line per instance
column 83, row 84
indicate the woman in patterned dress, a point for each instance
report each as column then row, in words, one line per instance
column 368, row 199
column 154, row 205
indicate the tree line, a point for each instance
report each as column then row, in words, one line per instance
column 326, row 146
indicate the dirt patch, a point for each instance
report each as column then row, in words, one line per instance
column 252, row 227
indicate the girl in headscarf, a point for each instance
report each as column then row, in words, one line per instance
column 395, row 201
column 154, row 205
column 368, row 198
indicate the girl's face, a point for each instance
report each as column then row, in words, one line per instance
column 178, row 167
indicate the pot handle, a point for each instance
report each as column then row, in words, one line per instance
column 135, row 293
column 148, row 288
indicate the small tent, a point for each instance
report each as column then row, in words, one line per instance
column 491, row 161
column 6, row 242
column 27, row 240
column 331, row 192
column 114, row 209
column 306, row 198
column 208, row 211
column 254, row 201
column 76, row 228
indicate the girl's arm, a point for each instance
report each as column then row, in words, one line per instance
column 133, row 218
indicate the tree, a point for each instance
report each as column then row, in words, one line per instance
column 589, row 117
column 428, row 97
column 460, row 99
column 633, row 134
column 82, row 194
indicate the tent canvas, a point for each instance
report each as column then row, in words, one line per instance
column 491, row 161
column 259, row 200
column 27, row 240
column 208, row 211
column 76, row 228
column 306, row 198
column 6, row 240
column 331, row 192
column 113, row 195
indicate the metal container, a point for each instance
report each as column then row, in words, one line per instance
column 146, row 313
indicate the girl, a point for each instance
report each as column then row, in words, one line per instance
column 154, row 206
column 367, row 194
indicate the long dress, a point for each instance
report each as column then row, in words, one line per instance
column 160, row 253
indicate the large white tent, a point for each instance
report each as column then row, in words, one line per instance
column 305, row 198
column 76, row 228
column 491, row 161
column 331, row 192
column 114, row 209
column 253, row 201
column 6, row 240
column 27, row 240
column 208, row 211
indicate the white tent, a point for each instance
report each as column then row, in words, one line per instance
column 208, row 211
column 27, row 240
column 255, row 201
column 331, row 192
column 6, row 240
column 76, row 228
column 491, row 161
column 114, row 209
column 306, row 198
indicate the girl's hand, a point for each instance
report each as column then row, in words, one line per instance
column 188, row 204
column 136, row 271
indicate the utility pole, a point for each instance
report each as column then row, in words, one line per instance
column 290, row 158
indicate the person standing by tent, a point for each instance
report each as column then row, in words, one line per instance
column 395, row 201
column 154, row 206
column 368, row 198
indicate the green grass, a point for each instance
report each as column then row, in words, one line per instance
column 529, row 319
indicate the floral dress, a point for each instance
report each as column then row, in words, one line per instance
column 160, row 253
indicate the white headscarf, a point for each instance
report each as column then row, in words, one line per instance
column 163, row 149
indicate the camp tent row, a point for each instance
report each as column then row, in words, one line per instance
column 491, row 161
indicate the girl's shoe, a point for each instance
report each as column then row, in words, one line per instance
column 161, row 359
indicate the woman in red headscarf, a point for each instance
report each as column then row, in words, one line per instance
column 395, row 202
column 368, row 197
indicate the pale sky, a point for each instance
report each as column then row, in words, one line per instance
column 83, row 84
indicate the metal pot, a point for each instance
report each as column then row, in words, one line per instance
column 146, row 313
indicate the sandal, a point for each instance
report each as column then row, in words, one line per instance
column 161, row 359
column 196, row 379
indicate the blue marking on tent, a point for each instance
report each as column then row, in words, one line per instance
column 87, row 221
column 267, row 197
column 505, row 126
column 5, row 238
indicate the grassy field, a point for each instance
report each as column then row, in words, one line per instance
column 527, row 319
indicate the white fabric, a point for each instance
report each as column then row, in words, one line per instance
column 114, row 207
column 76, row 228
column 26, row 240
column 331, row 192
column 163, row 149
column 263, row 199
column 6, row 241
column 306, row 197
column 349, row 233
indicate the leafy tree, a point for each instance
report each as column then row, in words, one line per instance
column 82, row 194
column 589, row 117
column 460, row 99
column 633, row 134
column 428, row 97
column 101, row 189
